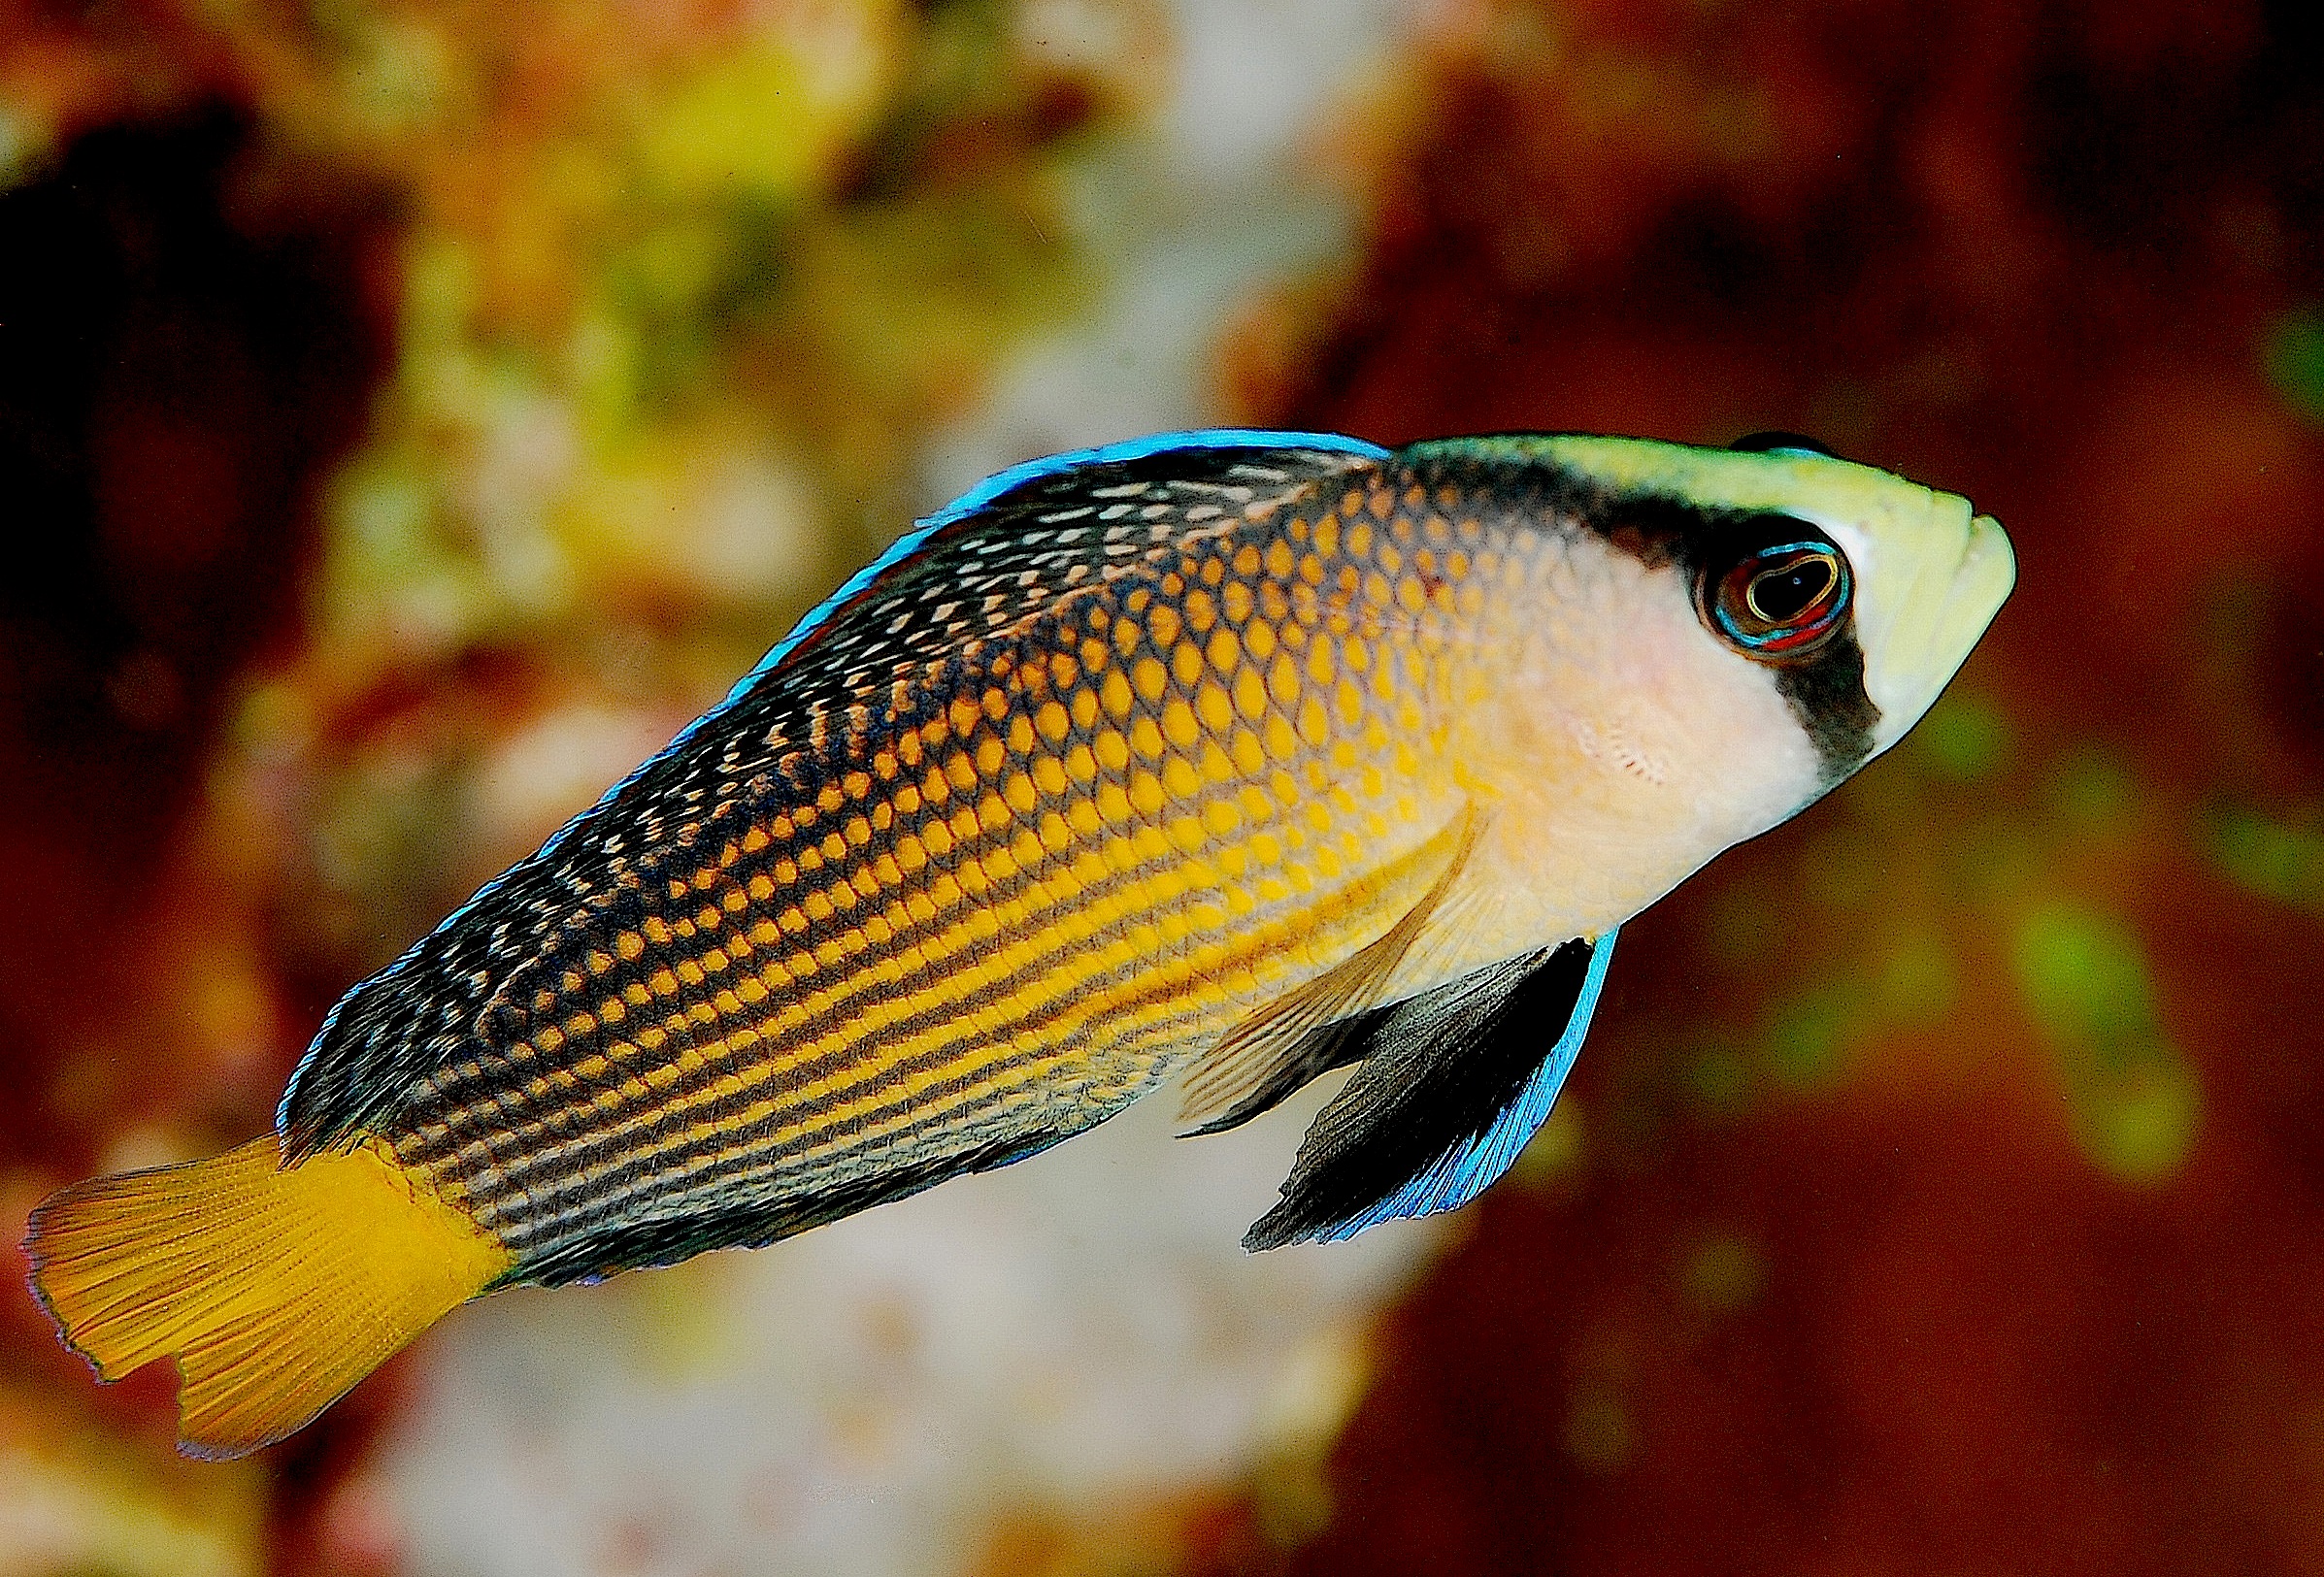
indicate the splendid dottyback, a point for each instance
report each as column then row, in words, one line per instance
column 1230, row 758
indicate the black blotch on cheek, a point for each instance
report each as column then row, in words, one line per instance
column 1827, row 694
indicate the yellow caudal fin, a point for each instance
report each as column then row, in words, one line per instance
column 275, row 1288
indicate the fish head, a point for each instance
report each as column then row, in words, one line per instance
column 1710, row 641
column 1861, row 591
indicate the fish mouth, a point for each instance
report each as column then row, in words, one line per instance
column 1931, row 624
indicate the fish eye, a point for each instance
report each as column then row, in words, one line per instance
column 1777, row 600
column 1779, row 443
column 1783, row 593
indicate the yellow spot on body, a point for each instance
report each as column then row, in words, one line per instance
column 1217, row 712
column 1251, row 694
column 1282, row 681
column 1178, row 724
column 1281, row 742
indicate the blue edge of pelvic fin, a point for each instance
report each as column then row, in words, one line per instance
column 903, row 546
column 1465, row 1171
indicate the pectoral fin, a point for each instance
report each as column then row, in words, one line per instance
column 1451, row 1085
column 1299, row 1034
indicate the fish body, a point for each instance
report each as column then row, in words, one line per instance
column 1228, row 757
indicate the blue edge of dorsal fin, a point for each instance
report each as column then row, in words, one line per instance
column 1002, row 482
column 968, row 503
column 1463, row 1172
column 902, row 548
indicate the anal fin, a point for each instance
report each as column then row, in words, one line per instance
column 1451, row 1086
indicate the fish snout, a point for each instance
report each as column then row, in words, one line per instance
column 1917, row 628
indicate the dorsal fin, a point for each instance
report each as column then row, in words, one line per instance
column 1274, row 1052
column 1019, row 485
column 1451, row 1085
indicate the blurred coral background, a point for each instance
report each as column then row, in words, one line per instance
column 413, row 410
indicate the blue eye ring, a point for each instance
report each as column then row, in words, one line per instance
column 1780, row 602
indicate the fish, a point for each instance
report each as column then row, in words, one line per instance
column 1227, row 758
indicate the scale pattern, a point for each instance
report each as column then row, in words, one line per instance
column 1061, row 796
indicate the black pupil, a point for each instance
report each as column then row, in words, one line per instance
column 1780, row 596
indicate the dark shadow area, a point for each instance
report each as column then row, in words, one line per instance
column 186, row 347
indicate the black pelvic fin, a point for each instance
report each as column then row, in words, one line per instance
column 1452, row 1084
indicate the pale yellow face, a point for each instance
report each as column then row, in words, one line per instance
column 1930, row 571
column 1627, row 742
